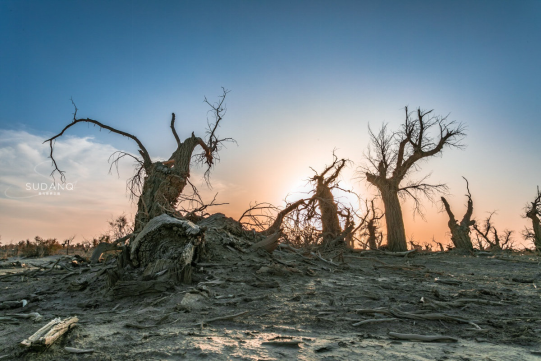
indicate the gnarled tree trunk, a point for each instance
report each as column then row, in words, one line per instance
column 163, row 185
column 394, row 220
column 331, row 227
column 532, row 211
column 460, row 231
column 536, row 230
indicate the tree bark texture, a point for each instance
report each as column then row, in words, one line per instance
column 460, row 230
column 533, row 216
column 394, row 220
column 167, row 245
column 331, row 227
column 162, row 185
column 371, row 230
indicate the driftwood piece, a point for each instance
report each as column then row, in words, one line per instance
column 459, row 302
column 77, row 350
column 374, row 320
column 49, row 333
column 269, row 244
column 35, row 316
column 6, row 305
column 423, row 338
column 294, row 344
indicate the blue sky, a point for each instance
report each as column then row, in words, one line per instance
column 305, row 77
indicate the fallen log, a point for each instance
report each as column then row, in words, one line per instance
column 269, row 244
column 49, row 333
column 77, row 350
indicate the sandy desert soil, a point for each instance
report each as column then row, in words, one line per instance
column 288, row 306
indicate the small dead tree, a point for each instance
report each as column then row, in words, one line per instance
column 158, row 185
column 310, row 219
column 119, row 227
column 372, row 227
column 392, row 156
column 329, row 211
column 439, row 244
column 499, row 242
column 66, row 244
column 532, row 211
column 461, row 231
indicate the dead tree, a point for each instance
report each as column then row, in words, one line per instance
column 393, row 155
column 67, row 244
column 372, row 227
column 532, row 211
column 158, row 185
column 461, row 231
column 329, row 210
column 310, row 219
column 499, row 242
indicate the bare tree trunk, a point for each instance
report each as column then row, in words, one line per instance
column 277, row 223
column 532, row 211
column 460, row 231
column 161, row 189
column 331, row 227
column 394, row 220
column 371, row 229
column 536, row 229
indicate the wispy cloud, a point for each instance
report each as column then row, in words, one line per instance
column 90, row 197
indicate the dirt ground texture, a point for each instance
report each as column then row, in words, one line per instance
column 288, row 305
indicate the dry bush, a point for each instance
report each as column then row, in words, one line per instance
column 38, row 248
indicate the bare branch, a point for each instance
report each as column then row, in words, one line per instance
column 174, row 131
column 146, row 158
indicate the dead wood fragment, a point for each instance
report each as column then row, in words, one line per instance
column 423, row 338
column 77, row 350
column 459, row 303
column 49, row 333
column 6, row 305
column 429, row 316
column 36, row 317
column 399, row 254
column 294, row 344
column 319, row 256
column 399, row 267
column 269, row 244
column 290, row 248
column 374, row 320
column 222, row 318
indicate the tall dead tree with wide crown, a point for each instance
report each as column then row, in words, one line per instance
column 392, row 156
column 158, row 185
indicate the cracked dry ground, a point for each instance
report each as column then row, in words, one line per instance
column 293, row 307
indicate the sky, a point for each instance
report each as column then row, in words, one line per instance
column 305, row 78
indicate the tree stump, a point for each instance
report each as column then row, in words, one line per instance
column 167, row 246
